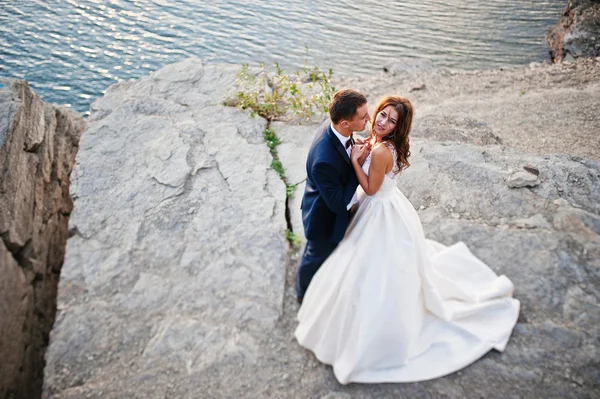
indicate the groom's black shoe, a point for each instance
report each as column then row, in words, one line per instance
column 300, row 300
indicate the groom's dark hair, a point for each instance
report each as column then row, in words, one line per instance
column 344, row 105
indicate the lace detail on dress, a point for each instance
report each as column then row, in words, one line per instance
column 395, row 170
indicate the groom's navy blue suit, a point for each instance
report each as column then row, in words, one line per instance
column 330, row 185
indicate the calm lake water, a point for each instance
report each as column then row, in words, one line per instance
column 71, row 51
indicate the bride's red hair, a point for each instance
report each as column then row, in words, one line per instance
column 399, row 136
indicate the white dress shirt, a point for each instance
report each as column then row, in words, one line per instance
column 343, row 140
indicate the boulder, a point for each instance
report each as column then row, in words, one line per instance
column 38, row 143
column 577, row 33
column 177, row 260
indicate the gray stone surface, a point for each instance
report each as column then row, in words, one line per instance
column 162, row 295
column 177, row 261
column 38, row 143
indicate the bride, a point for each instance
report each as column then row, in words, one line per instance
column 389, row 305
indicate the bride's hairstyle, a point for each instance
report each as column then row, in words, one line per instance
column 399, row 136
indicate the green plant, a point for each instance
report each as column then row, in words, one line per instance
column 270, row 93
column 293, row 239
column 271, row 139
column 289, row 189
column 272, row 142
column 277, row 166
column 314, row 96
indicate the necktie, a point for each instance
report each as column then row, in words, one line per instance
column 350, row 141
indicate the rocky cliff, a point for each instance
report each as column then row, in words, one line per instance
column 577, row 34
column 178, row 281
column 38, row 143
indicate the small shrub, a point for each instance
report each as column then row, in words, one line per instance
column 272, row 94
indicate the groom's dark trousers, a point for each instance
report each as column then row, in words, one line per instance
column 330, row 185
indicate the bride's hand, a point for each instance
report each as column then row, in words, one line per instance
column 366, row 150
column 360, row 152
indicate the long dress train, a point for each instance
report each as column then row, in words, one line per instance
column 389, row 305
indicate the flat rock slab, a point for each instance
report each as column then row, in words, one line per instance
column 177, row 259
column 546, row 239
column 174, row 278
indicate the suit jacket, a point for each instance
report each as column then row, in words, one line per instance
column 330, row 185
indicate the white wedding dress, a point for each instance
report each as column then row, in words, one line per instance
column 389, row 305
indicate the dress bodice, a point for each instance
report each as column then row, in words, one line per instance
column 389, row 183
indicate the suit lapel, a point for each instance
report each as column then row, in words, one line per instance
column 338, row 145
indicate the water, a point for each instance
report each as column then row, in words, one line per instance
column 72, row 50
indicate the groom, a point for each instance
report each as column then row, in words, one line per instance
column 330, row 182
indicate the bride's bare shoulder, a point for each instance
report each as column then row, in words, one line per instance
column 381, row 151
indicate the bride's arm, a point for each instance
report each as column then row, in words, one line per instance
column 381, row 159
